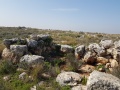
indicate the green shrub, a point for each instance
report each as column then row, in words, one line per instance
column 23, row 65
column 1, row 49
column 37, row 71
column 57, row 62
column 51, row 70
column 7, row 67
column 71, row 63
column 65, row 88
column 84, row 81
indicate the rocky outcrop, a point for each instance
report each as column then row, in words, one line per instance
column 106, row 43
column 79, row 51
column 90, row 58
column 32, row 43
column 39, row 37
column 6, row 54
column 113, row 63
column 19, row 50
column 102, row 60
column 94, row 47
column 8, row 42
column 32, row 59
column 87, row 68
column 67, row 49
column 77, row 88
column 117, row 44
column 102, row 81
column 68, row 78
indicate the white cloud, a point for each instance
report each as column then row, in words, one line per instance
column 66, row 9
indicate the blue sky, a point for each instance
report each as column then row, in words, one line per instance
column 76, row 15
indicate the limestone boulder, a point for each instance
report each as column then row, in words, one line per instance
column 94, row 47
column 43, row 36
column 102, row 60
column 113, row 63
column 67, row 49
column 116, row 54
column 76, row 88
column 19, row 50
column 40, row 37
column 32, row 43
column 106, row 43
column 87, row 68
column 90, row 58
column 32, row 59
column 117, row 44
column 68, row 78
column 102, row 81
column 79, row 51
column 6, row 54
column 8, row 42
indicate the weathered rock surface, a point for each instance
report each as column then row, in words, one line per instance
column 79, row 87
column 68, row 78
column 32, row 43
column 39, row 37
column 102, row 81
column 32, row 59
column 43, row 37
column 106, row 43
column 117, row 44
column 102, row 60
column 94, row 47
column 67, row 49
column 90, row 58
column 79, row 51
column 87, row 68
column 6, row 54
column 113, row 63
column 8, row 42
column 22, row 76
column 19, row 50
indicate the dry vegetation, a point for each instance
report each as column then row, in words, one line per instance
column 59, row 36
column 51, row 68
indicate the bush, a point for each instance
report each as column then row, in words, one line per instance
column 23, row 65
column 52, row 85
column 71, row 63
column 53, row 71
column 84, row 81
column 65, row 88
column 1, row 49
column 7, row 67
column 57, row 62
column 37, row 72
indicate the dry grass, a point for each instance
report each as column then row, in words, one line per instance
column 59, row 36
column 1, row 49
